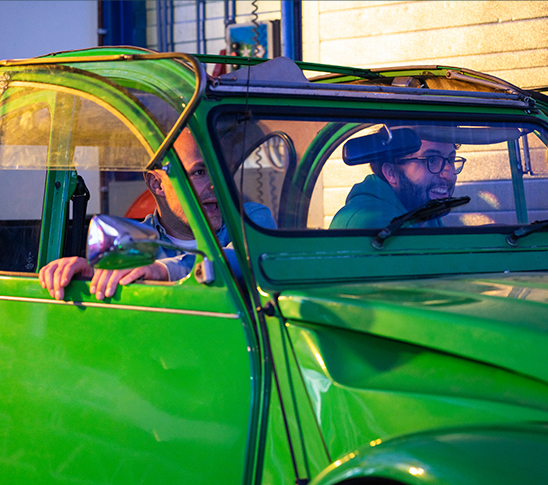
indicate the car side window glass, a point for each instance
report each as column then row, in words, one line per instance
column 362, row 174
column 24, row 139
column 59, row 146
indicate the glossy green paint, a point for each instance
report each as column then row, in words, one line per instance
column 385, row 353
column 60, row 185
column 287, row 261
column 304, row 430
column 386, row 386
column 468, row 316
column 96, row 392
column 411, row 359
column 429, row 458
column 421, row 363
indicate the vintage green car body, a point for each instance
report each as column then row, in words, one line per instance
column 330, row 360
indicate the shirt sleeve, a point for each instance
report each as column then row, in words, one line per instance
column 260, row 215
column 178, row 266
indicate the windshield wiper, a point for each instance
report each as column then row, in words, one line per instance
column 433, row 208
column 512, row 239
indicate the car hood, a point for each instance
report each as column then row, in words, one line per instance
column 498, row 319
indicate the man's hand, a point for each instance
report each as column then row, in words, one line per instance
column 58, row 274
column 105, row 281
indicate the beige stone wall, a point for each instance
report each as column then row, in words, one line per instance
column 507, row 39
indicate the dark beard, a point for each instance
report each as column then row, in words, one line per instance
column 412, row 195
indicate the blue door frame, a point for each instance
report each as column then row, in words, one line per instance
column 122, row 23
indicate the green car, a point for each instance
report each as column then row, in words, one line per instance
column 382, row 329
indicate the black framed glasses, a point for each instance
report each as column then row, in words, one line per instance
column 436, row 163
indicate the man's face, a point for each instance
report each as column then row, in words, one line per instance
column 415, row 184
column 194, row 165
column 199, row 177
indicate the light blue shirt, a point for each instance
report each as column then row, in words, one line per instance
column 179, row 263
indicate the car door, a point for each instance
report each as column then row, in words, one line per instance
column 153, row 385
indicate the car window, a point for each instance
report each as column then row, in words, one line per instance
column 328, row 173
column 58, row 144
column 24, row 136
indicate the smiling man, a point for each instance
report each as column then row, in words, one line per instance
column 170, row 222
column 399, row 185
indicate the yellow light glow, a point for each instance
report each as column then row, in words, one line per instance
column 320, row 360
column 376, row 442
column 338, row 463
column 475, row 219
column 315, row 351
column 416, row 471
column 490, row 198
column 263, row 293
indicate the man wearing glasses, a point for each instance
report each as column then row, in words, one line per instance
column 399, row 185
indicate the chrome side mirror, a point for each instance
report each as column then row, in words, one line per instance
column 119, row 243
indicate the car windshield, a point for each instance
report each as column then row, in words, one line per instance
column 126, row 124
column 63, row 127
column 333, row 173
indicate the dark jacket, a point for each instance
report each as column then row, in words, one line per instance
column 371, row 204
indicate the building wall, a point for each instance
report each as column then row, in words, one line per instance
column 507, row 39
column 34, row 28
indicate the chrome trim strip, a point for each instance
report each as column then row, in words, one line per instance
column 234, row 316
column 445, row 97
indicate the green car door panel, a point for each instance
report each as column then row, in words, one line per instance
column 108, row 388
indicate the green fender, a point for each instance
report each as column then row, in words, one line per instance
column 486, row 455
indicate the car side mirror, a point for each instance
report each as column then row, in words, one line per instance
column 120, row 243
